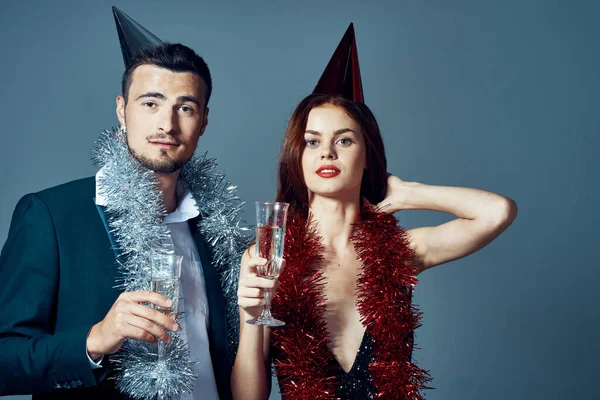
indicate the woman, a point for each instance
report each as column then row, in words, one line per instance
column 345, row 293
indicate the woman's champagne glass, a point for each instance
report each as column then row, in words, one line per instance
column 270, row 235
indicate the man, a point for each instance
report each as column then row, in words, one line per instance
column 62, row 318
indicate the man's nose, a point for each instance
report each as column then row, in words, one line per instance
column 168, row 120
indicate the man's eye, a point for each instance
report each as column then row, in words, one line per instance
column 186, row 109
column 149, row 104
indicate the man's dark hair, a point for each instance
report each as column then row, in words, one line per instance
column 174, row 57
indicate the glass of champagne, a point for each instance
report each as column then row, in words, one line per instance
column 165, row 271
column 270, row 234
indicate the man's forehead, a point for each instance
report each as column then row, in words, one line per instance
column 148, row 76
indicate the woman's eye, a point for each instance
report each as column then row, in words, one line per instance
column 345, row 141
column 311, row 143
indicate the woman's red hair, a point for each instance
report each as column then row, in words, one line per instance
column 291, row 187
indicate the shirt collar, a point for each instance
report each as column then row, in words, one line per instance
column 186, row 207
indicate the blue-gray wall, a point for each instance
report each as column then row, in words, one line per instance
column 497, row 95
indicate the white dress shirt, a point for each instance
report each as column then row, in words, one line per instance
column 192, row 302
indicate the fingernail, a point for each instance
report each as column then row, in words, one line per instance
column 175, row 327
column 169, row 303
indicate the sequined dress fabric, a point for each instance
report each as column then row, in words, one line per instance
column 357, row 383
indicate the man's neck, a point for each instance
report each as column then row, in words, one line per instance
column 167, row 184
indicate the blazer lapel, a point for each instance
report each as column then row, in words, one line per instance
column 108, row 252
column 113, row 244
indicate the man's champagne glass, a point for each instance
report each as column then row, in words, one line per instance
column 165, row 271
column 270, row 235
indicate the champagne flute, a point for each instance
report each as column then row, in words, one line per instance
column 270, row 235
column 165, row 272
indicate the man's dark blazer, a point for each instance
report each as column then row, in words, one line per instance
column 57, row 278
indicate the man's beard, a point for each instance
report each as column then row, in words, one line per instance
column 161, row 165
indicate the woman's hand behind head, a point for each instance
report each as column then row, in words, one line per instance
column 395, row 197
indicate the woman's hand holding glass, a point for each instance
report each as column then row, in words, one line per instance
column 251, row 286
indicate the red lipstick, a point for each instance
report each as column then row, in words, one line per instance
column 328, row 171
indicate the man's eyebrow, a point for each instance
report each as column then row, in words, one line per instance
column 183, row 99
column 338, row 132
column 160, row 96
column 155, row 95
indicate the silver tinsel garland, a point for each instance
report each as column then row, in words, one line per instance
column 135, row 212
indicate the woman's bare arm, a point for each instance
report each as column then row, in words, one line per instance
column 482, row 216
column 251, row 375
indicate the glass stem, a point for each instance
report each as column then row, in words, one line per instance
column 161, row 350
column 161, row 357
column 267, row 310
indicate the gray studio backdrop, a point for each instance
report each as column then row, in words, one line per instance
column 497, row 95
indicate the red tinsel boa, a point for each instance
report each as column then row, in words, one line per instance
column 302, row 360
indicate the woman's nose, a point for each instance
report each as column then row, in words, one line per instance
column 327, row 153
